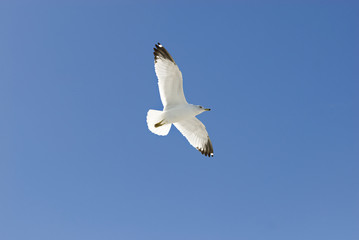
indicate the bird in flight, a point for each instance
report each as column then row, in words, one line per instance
column 176, row 110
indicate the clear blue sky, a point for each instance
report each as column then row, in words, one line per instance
column 78, row 162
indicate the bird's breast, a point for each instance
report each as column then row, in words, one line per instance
column 179, row 113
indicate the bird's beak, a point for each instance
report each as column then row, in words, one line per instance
column 207, row 109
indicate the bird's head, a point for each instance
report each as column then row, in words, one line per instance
column 202, row 109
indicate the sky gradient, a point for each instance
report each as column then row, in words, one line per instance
column 78, row 162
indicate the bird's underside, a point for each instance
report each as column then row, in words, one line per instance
column 170, row 85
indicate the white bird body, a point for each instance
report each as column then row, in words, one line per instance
column 176, row 110
column 180, row 112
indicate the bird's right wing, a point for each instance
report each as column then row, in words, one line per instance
column 169, row 76
column 196, row 134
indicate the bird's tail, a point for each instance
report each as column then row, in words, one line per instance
column 155, row 123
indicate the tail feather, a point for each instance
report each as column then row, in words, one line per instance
column 154, row 119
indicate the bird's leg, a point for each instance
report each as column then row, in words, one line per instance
column 159, row 124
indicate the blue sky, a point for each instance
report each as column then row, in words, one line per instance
column 78, row 162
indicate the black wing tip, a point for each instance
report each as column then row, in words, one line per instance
column 207, row 150
column 161, row 52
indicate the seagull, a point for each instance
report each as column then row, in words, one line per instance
column 176, row 110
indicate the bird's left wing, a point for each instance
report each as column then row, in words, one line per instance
column 169, row 76
column 196, row 134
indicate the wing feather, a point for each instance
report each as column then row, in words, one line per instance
column 169, row 76
column 196, row 134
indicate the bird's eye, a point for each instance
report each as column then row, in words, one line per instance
column 200, row 106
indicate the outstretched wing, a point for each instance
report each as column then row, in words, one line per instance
column 169, row 78
column 196, row 134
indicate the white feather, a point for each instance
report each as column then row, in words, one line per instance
column 196, row 134
column 153, row 117
column 170, row 83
